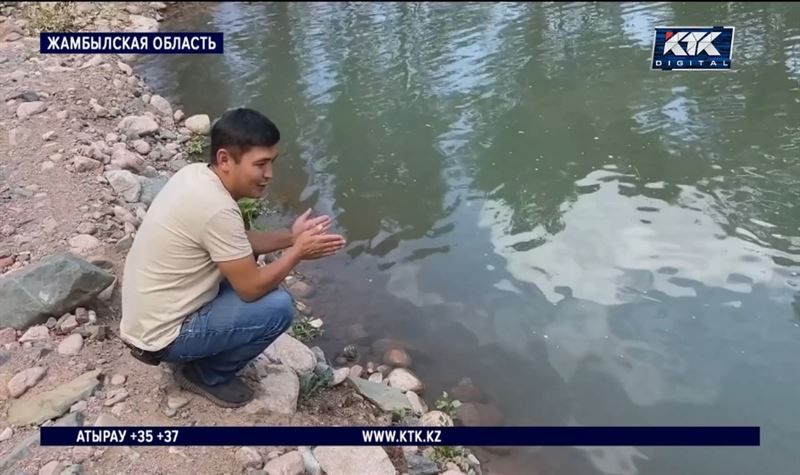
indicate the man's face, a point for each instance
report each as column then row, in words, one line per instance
column 250, row 176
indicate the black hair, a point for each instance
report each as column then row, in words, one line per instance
column 239, row 130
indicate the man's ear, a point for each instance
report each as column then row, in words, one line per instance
column 223, row 159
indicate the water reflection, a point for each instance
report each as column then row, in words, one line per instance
column 529, row 206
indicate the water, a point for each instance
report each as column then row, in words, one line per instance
column 528, row 205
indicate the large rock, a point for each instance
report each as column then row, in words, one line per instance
column 138, row 125
column 278, row 391
column 287, row 464
column 49, row 288
column 161, row 105
column 50, row 404
column 27, row 109
column 125, row 184
column 199, row 124
column 417, row 404
column 420, row 465
column 354, row 460
column 388, row 399
column 150, row 188
column 289, row 351
column 404, row 380
column 25, row 380
column 127, row 160
column 83, row 244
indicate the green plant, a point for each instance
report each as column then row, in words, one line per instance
column 194, row 146
column 51, row 16
column 303, row 330
column 447, row 405
column 251, row 209
column 312, row 384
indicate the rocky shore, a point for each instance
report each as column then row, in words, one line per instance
column 86, row 146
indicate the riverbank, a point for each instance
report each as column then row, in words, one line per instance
column 87, row 146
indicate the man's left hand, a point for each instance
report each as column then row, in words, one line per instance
column 303, row 223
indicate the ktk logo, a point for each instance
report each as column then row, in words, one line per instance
column 696, row 43
column 692, row 48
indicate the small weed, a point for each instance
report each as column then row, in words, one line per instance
column 447, row 405
column 51, row 16
column 444, row 454
column 251, row 209
column 303, row 330
column 195, row 146
column 312, row 384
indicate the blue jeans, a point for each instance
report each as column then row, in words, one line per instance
column 225, row 334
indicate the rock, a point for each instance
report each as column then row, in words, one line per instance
column 339, row 375
column 56, row 157
column 319, row 354
column 418, row 406
column 177, row 401
column 127, row 160
column 111, row 137
column 309, row 462
column 107, row 420
column 375, row 378
column 27, row 109
column 141, row 146
column 161, row 105
column 48, row 135
column 386, row 398
column 301, row 290
column 143, row 24
column 118, row 379
column 124, row 184
column 476, row 414
column 453, row 472
column 7, row 335
column 138, row 125
column 369, row 460
column 467, row 391
column 436, row 419
column 420, row 465
column 81, row 453
column 178, row 115
column 79, row 406
column 249, row 458
column 25, row 380
column 86, row 228
column 35, row 333
column 50, row 404
column 71, row 345
column 278, row 391
column 69, row 324
column 151, row 187
column 51, row 287
column 52, row 468
column 404, row 380
column 116, row 396
column 6, row 434
column 397, row 358
column 133, row 9
column 85, row 164
column 292, row 353
column 82, row 316
column 287, row 464
column 83, row 244
column 124, row 68
column 355, row 371
column 199, row 124
column 158, row 6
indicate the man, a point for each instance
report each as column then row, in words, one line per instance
column 192, row 292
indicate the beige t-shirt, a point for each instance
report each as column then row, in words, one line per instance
column 170, row 270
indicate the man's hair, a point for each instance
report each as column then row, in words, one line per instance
column 239, row 130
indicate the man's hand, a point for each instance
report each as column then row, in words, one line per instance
column 302, row 224
column 314, row 243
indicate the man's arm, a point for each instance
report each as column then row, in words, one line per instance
column 266, row 242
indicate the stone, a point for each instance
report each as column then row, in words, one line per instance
column 476, row 414
column 292, row 353
column 107, row 420
column 375, row 378
column 339, row 375
column 25, row 380
column 86, row 228
column 27, row 109
column 178, row 115
column 370, row 460
column 143, row 24
column 141, row 146
column 127, row 160
column 124, row 68
column 436, row 419
column 138, row 125
column 81, row 454
column 199, row 124
column 301, row 290
column 85, row 164
column 124, row 184
column 151, row 187
column 83, row 243
column 118, row 379
column 71, row 345
column 161, row 105
column 420, row 465
column 397, row 358
column 277, row 392
column 79, row 406
column 319, row 354
column 82, row 316
column 69, row 324
column 386, row 398
column 6, row 434
column 355, row 371
column 287, row 464
column 452, row 472
column 35, row 333
column 418, row 406
column 177, row 401
column 249, row 457
column 54, row 403
column 48, row 135
column 116, row 396
column 404, row 380
column 52, row 468
column 8, row 335
column 45, row 166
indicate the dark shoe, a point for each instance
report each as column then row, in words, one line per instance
column 230, row 394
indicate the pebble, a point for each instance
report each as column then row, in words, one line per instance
column 118, row 380
column 71, row 345
column 25, row 380
column 176, row 401
column 249, row 457
column 116, row 396
column 6, row 434
column 35, row 333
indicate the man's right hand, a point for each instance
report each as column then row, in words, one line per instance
column 315, row 244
